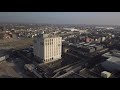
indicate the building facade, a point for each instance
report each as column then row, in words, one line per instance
column 48, row 47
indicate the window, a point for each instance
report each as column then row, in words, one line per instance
column 50, row 58
column 46, row 43
column 50, row 43
column 49, row 40
column 59, row 41
column 59, row 45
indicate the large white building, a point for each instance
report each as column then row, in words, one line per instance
column 48, row 47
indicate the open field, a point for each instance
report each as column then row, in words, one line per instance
column 16, row 43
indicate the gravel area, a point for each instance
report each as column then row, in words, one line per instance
column 12, row 70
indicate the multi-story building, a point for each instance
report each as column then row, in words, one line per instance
column 48, row 47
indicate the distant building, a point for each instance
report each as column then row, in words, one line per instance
column 71, row 29
column 9, row 35
column 48, row 47
column 87, row 39
column 1, row 35
column 1, row 29
column 103, row 39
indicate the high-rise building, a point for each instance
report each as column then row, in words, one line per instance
column 48, row 47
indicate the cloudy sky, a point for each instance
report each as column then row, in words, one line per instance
column 62, row 17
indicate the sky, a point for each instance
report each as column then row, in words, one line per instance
column 107, row 18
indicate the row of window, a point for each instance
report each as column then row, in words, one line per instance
column 52, row 50
column 47, row 60
column 51, row 41
column 48, row 54
column 52, row 54
column 54, row 47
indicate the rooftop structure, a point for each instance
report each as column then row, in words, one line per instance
column 105, row 74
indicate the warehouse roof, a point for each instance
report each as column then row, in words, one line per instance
column 112, row 58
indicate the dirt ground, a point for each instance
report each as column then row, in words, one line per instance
column 15, row 43
column 7, row 71
column 11, row 70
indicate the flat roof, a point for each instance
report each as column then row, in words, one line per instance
column 112, row 58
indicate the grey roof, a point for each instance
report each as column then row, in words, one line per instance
column 112, row 58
